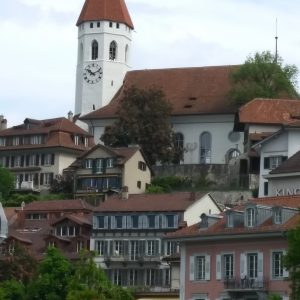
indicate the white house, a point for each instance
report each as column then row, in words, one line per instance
column 3, row 224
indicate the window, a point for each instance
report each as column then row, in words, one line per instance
column 48, row 159
column 119, row 222
column 86, row 142
column 66, row 230
column 117, row 277
column 277, row 267
column 150, row 277
column 94, row 50
column 200, row 267
column 151, row 221
column 32, row 160
column 273, row 162
column 179, row 141
column 205, row 148
column 91, row 25
column 266, row 188
column 99, row 165
column 170, row 221
column 101, row 222
column 80, row 246
column 150, row 250
column 250, row 217
column 133, row 277
column 16, row 141
column 228, row 266
column 118, row 248
column 139, row 184
column 76, row 140
column 118, row 25
column 101, row 247
column 229, row 220
column 135, row 221
column 142, row 166
column 171, row 248
column 134, row 250
column 18, row 161
column 48, row 178
column 110, row 24
column 109, row 163
column 126, row 53
column 252, row 259
column 2, row 141
column 35, row 139
column 98, row 24
column 113, row 50
column 88, row 163
column 277, row 215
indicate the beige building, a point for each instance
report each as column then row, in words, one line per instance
column 104, row 170
column 37, row 151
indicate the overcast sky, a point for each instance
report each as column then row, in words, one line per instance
column 38, row 40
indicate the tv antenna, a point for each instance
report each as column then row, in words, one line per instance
column 276, row 44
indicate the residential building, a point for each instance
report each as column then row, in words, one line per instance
column 259, row 119
column 103, row 170
column 128, row 236
column 38, row 150
column 238, row 254
column 65, row 224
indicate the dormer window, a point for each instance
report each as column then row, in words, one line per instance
column 277, row 215
column 76, row 140
column 250, row 217
column 229, row 219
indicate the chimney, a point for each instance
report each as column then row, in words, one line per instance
column 125, row 192
column 70, row 116
column 3, row 123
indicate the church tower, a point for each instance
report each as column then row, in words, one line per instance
column 104, row 44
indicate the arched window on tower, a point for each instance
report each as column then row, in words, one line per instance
column 205, row 148
column 126, row 53
column 113, row 50
column 94, row 50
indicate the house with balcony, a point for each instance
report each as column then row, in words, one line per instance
column 65, row 224
column 257, row 120
column 128, row 236
column 238, row 254
column 38, row 150
column 103, row 170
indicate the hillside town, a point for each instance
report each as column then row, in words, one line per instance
column 212, row 223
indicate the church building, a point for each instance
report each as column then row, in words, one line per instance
column 203, row 113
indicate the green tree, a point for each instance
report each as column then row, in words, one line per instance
column 263, row 76
column 90, row 283
column 53, row 277
column 12, row 290
column 7, row 182
column 143, row 119
column 292, row 261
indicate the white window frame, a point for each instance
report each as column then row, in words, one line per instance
column 32, row 160
column 109, row 163
column 272, row 264
column 16, row 141
column 18, row 161
column 76, row 140
column 278, row 215
column 47, row 178
column 150, row 247
column 132, row 277
column 48, row 159
column 100, row 247
column 200, row 267
column 2, row 141
column 35, row 140
column 250, row 217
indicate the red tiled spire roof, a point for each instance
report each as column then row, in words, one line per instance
column 110, row 10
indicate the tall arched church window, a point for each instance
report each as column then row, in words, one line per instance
column 113, row 50
column 179, row 140
column 205, row 148
column 126, row 53
column 94, row 50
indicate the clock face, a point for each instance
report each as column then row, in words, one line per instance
column 92, row 73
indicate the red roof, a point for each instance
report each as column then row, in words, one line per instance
column 109, row 10
column 270, row 111
column 190, row 91
column 220, row 228
column 179, row 201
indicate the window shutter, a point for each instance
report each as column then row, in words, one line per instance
column 267, row 163
column 164, row 221
column 207, row 267
column 106, row 222
column 95, row 222
column 156, row 249
column 145, row 221
column 113, row 223
column 129, row 223
column 285, row 271
column 260, row 266
column 192, row 268
column 218, row 267
column 94, row 166
column 176, row 221
column 124, row 222
column 140, row 222
column 243, row 265
column 92, row 245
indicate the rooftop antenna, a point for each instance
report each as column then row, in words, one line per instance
column 276, row 44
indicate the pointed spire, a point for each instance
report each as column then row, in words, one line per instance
column 109, row 10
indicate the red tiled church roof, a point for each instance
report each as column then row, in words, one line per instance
column 110, row 10
column 190, row 91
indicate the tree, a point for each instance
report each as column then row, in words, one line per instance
column 53, row 277
column 143, row 119
column 90, row 283
column 7, row 182
column 263, row 76
column 292, row 261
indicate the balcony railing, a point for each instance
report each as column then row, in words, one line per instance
column 245, row 284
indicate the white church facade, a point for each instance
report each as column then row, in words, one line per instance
column 203, row 113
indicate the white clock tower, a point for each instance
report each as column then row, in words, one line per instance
column 104, row 44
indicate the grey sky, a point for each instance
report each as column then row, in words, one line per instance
column 38, row 40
